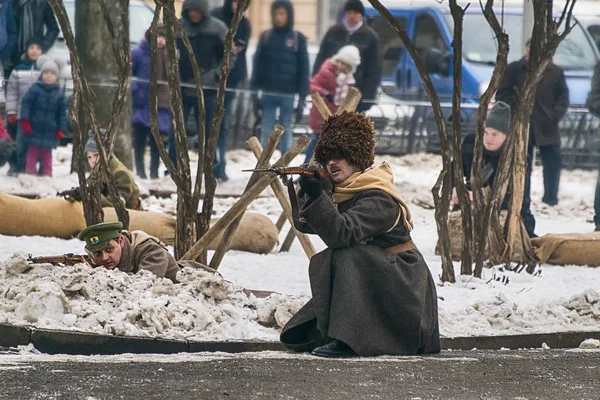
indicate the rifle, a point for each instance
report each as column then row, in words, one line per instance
column 65, row 259
column 73, row 194
column 308, row 172
column 486, row 175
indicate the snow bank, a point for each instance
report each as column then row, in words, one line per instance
column 202, row 307
column 502, row 302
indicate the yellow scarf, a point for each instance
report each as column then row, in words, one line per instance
column 375, row 177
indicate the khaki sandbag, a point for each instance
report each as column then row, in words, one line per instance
column 52, row 217
column 568, row 249
column 256, row 234
column 159, row 225
column 456, row 237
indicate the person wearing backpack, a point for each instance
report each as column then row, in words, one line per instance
column 280, row 71
column 593, row 104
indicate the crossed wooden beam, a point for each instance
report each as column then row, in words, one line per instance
column 258, row 182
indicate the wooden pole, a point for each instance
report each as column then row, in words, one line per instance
column 263, row 161
column 201, row 245
column 280, row 193
column 350, row 102
column 318, row 102
column 289, row 239
column 280, row 221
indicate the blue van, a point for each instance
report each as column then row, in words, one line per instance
column 431, row 29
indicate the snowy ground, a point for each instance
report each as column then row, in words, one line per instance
column 560, row 299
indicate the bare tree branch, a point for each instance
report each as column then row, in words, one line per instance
column 463, row 194
column 483, row 205
column 86, row 95
column 441, row 190
column 203, row 221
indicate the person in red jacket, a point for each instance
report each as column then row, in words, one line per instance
column 332, row 82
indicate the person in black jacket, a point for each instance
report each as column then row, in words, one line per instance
column 593, row 104
column 237, row 76
column 551, row 103
column 280, row 71
column 207, row 37
column 34, row 19
column 353, row 30
column 496, row 130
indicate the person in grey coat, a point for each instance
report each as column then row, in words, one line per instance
column 372, row 292
column 22, row 78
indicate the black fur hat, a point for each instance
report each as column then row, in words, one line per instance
column 349, row 135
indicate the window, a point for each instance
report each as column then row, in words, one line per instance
column 479, row 46
column 594, row 30
column 428, row 35
column 391, row 45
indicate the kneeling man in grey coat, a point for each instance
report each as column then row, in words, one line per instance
column 372, row 291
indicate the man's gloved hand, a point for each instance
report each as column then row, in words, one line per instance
column 327, row 97
column 311, row 186
column 60, row 135
column 12, row 119
column 26, row 127
column 300, row 110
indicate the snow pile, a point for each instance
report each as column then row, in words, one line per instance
column 590, row 344
column 499, row 314
column 202, row 307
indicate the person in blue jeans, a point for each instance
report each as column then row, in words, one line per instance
column 281, row 72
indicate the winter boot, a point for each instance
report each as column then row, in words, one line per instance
column 335, row 349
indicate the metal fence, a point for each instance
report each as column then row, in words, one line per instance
column 408, row 126
column 405, row 127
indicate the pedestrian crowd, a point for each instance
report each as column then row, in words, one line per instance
column 281, row 79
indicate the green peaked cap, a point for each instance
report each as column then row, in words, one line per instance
column 97, row 237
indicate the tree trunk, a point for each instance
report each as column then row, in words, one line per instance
column 203, row 219
column 100, row 67
column 442, row 187
column 545, row 40
column 463, row 195
column 481, row 202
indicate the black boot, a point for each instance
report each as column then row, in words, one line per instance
column 335, row 349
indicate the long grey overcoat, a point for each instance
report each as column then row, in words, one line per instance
column 374, row 301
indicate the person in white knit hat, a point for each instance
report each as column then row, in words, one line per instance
column 332, row 82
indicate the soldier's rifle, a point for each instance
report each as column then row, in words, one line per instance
column 65, row 259
column 307, row 171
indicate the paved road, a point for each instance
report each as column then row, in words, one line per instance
column 532, row 374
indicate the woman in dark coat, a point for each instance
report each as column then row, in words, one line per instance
column 140, row 92
column 372, row 291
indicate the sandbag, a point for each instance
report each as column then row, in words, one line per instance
column 456, row 237
column 568, row 249
column 52, row 216
column 256, row 234
column 161, row 226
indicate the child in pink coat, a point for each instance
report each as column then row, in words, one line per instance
column 332, row 82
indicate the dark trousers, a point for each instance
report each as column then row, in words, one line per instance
column 310, row 149
column 528, row 218
column 220, row 161
column 552, row 162
column 141, row 135
column 191, row 104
